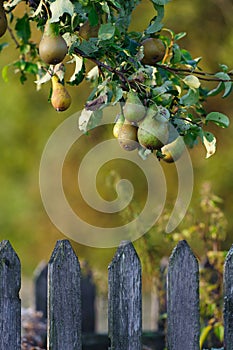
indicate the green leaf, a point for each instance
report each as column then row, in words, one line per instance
column 179, row 36
column 216, row 90
column 22, row 28
column 5, row 72
column 191, row 98
column 228, row 89
column 176, row 54
column 106, row 31
column 93, row 17
column 59, row 7
column 218, row 118
column 2, row 46
column 160, row 2
column 156, row 25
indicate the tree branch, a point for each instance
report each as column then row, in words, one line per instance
column 202, row 75
column 13, row 37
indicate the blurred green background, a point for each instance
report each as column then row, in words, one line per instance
column 27, row 121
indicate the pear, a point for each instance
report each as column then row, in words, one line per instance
column 128, row 137
column 153, row 130
column 87, row 31
column 60, row 98
column 52, row 47
column 3, row 20
column 133, row 110
column 118, row 125
column 173, row 150
column 154, row 51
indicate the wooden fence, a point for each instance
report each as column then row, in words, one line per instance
column 64, row 329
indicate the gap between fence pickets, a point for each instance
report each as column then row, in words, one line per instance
column 125, row 326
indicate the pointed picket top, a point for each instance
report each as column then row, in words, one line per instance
column 228, row 300
column 125, row 305
column 64, row 298
column 183, row 299
column 10, row 268
column 125, row 248
column 10, row 304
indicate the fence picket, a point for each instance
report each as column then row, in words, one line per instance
column 124, row 300
column 10, row 304
column 183, row 326
column 64, row 299
column 228, row 300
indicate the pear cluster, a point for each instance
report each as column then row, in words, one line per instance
column 148, row 128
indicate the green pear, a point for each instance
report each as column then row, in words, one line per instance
column 52, row 47
column 118, row 125
column 133, row 110
column 3, row 20
column 173, row 151
column 128, row 137
column 153, row 130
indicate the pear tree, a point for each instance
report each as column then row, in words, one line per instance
column 158, row 84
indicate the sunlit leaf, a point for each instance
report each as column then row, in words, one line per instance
column 106, row 31
column 59, row 7
column 89, row 120
column 192, row 81
column 79, row 71
column 209, row 141
column 191, row 98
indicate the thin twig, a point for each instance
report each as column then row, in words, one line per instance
column 13, row 37
column 202, row 75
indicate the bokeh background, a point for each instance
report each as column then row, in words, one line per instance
column 27, row 120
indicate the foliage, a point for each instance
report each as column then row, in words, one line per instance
column 209, row 233
column 110, row 58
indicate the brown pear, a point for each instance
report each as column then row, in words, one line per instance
column 154, row 51
column 52, row 47
column 60, row 98
column 3, row 20
column 128, row 137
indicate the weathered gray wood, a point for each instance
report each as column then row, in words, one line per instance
column 40, row 288
column 88, row 295
column 228, row 300
column 64, row 305
column 124, row 300
column 10, row 304
column 183, row 325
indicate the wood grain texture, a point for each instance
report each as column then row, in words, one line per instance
column 64, row 299
column 124, row 301
column 228, row 300
column 10, row 304
column 183, row 325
